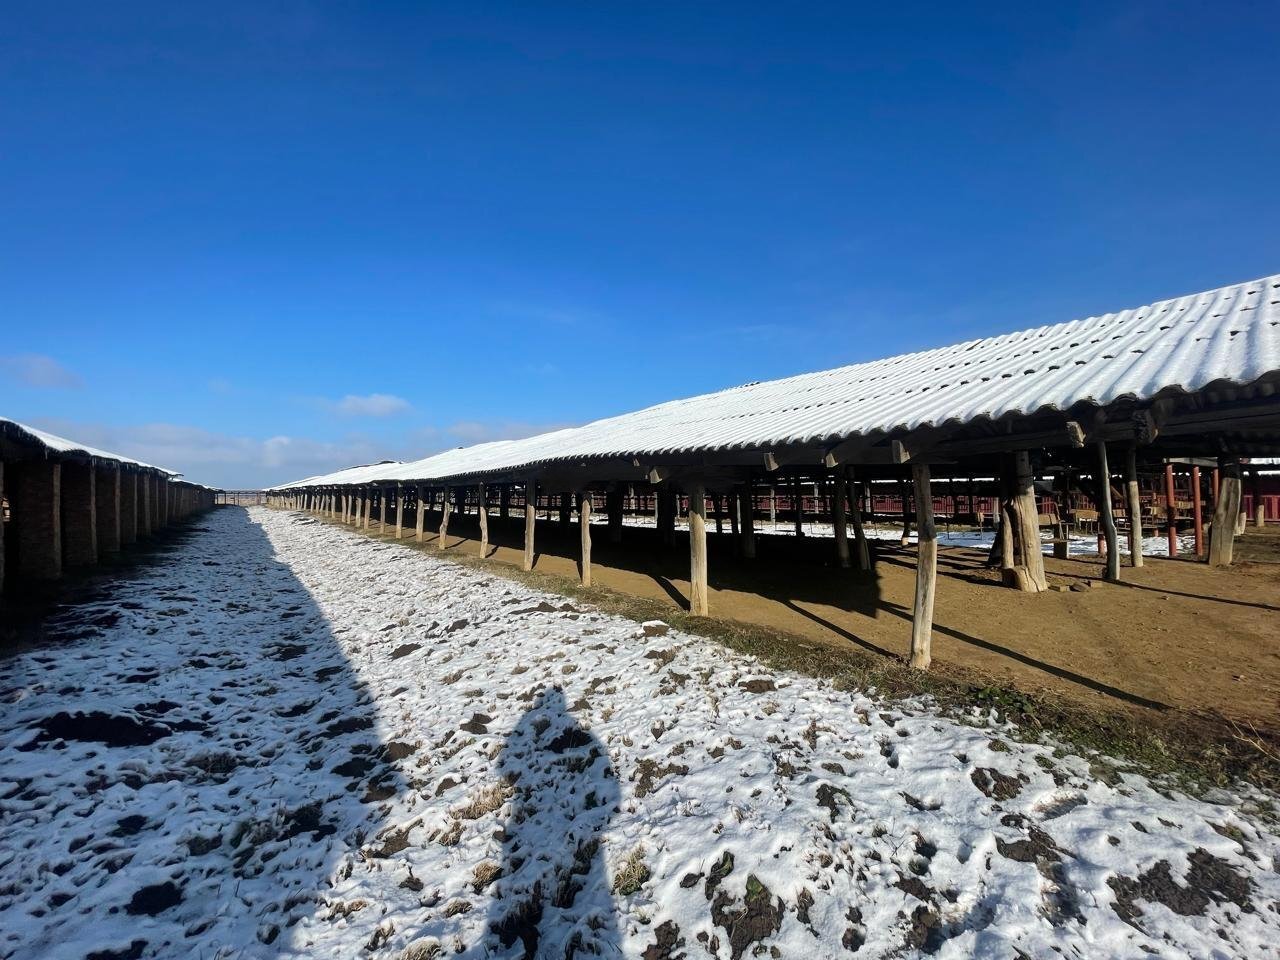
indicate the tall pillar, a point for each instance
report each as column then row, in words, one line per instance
column 144, row 505
column 107, row 488
column 1133, row 506
column 584, row 530
column 35, row 495
column 79, row 515
column 926, row 570
column 530, row 519
column 128, row 507
column 839, row 519
column 698, row 600
column 482, row 505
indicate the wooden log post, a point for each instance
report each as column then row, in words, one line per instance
column 1133, row 506
column 747, row 520
column 698, row 599
column 839, row 519
column 420, row 515
column 926, row 570
column 862, row 550
column 584, row 533
column 1106, row 518
column 445, row 507
column 1259, row 505
column 717, row 509
column 667, row 515
column 366, row 507
column 1222, row 532
column 1171, row 509
column 1197, row 512
column 482, row 505
column 906, row 512
column 1026, row 573
column 504, row 502
column 530, row 520
column 614, row 507
column 1061, row 536
column 399, row 502
column 797, row 505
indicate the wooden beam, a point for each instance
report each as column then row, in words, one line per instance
column 698, row 600
column 1133, row 505
column 530, row 519
column 1027, row 572
column 443, row 532
column 1070, row 435
column 1171, row 510
column 926, row 570
column 861, row 548
column 839, row 518
column 483, row 507
column 399, row 508
column 747, row 519
column 584, row 531
column 1105, row 515
column 1222, row 534
column 1197, row 513
column 420, row 519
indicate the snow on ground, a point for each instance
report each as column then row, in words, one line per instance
column 286, row 739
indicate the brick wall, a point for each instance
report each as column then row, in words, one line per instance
column 79, row 515
column 34, row 488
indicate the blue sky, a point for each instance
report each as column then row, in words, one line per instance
column 259, row 241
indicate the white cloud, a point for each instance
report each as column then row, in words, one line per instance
column 374, row 405
column 39, row 371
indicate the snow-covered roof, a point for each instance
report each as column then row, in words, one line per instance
column 1226, row 336
column 55, row 444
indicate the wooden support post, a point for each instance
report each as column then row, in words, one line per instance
column 366, row 507
column 1105, row 517
column 1171, row 509
column 399, row 500
column 1222, row 534
column 1023, row 521
column 906, row 512
column 838, row 518
column 482, row 505
column 698, row 601
column 530, row 519
column 1133, row 505
column 504, row 502
column 862, row 549
column 443, row 532
column 1197, row 514
column 747, row 520
column 584, row 531
column 1217, row 485
column 614, row 507
column 1061, row 538
column 419, row 515
column 797, row 505
column 1259, row 505
column 717, row 506
column 926, row 570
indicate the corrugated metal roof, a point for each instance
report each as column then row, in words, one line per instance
column 56, row 444
column 1230, row 335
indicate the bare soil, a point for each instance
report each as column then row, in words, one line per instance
column 1174, row 635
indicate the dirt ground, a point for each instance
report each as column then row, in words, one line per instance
column 1174, row 634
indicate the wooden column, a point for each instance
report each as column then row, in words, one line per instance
column 1105, row 517
column 614, row 506
column 420, row 517
column 482, row 506
column 1171, row 509
column 365, row 508
column 79, row 501
column 1197, row 514
column 797, row 505
column 717, row 508
column 584, row 531
column 698, row 600
column 443, row 532
column 1222, row 534
column 530, row 519
column 906, row 513
column 504, row 502
column 34, row 489
column 747, row 519
column 1259, row 505
column 926, row 570
column 838, row 518
column 862, row 550
column 1133, row 506
column 107, row 488
column 399, row 506
column 1023, row 521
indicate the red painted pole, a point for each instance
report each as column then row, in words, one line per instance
column 1217, row 480
column 1195, row 511
column 1172, row 508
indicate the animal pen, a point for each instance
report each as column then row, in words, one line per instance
column 1146, row 420
column 66, row 505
